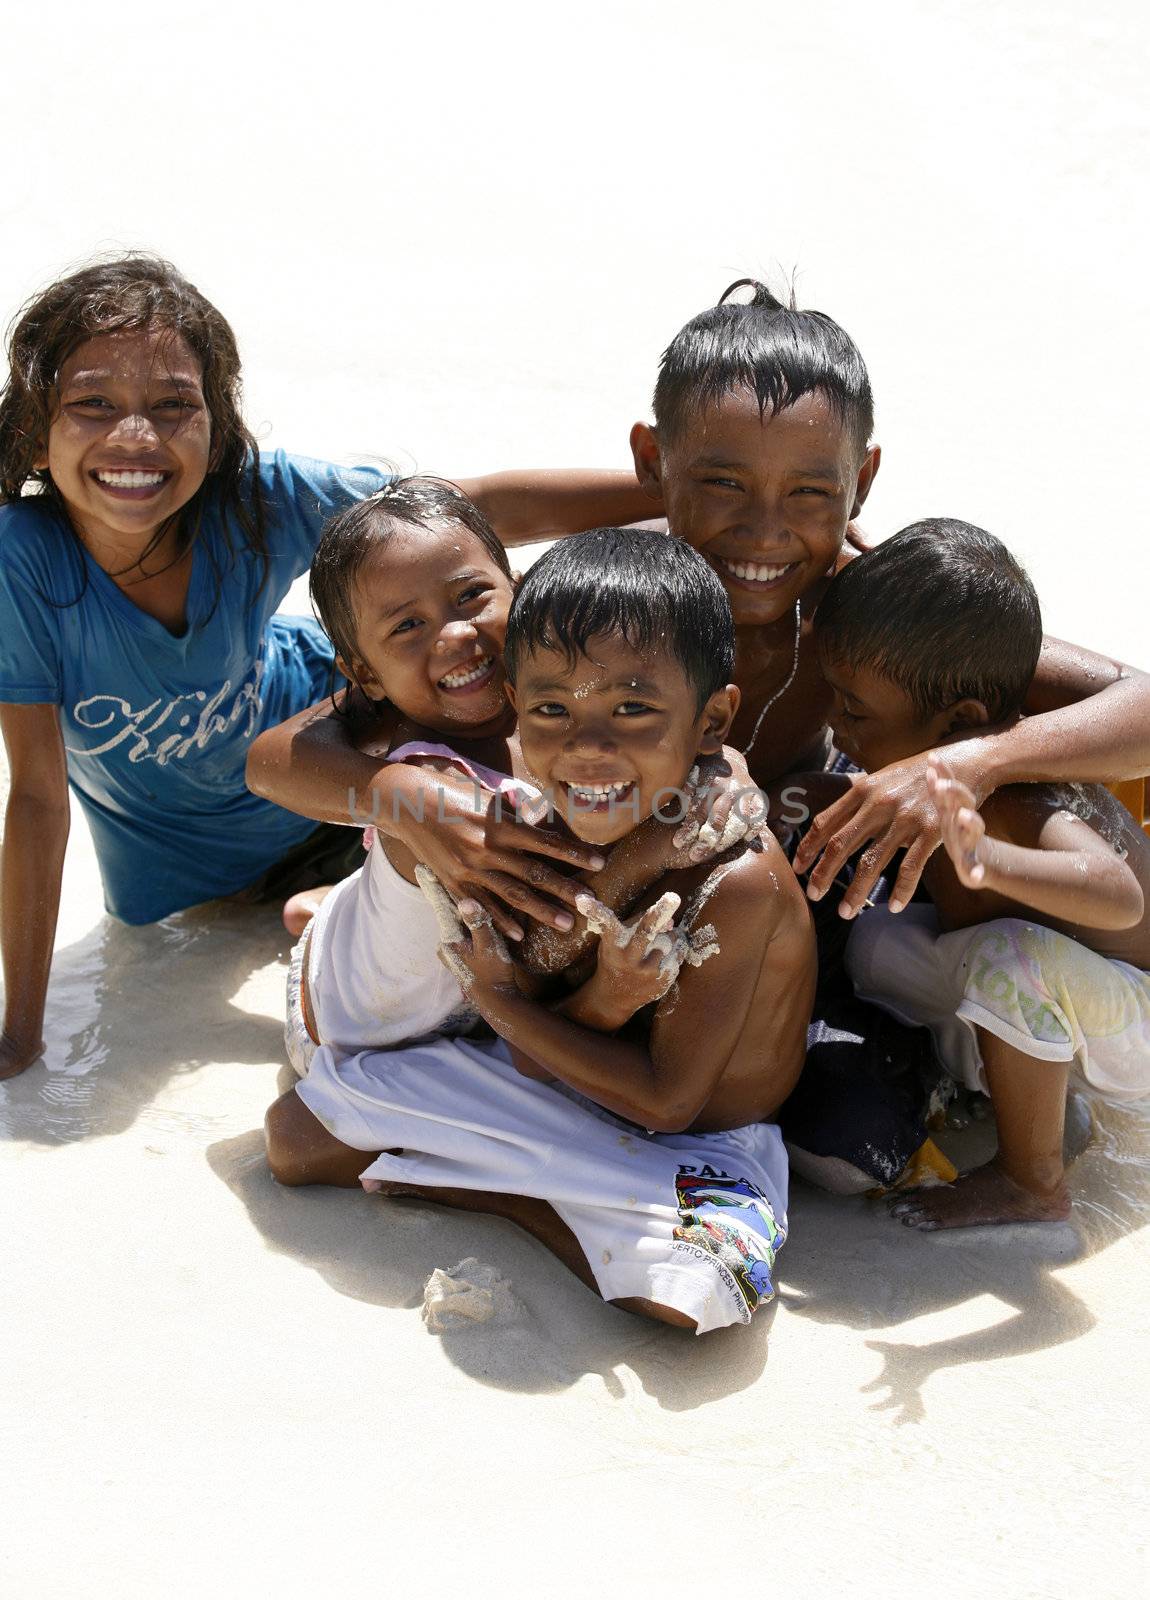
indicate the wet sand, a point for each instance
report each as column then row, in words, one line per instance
column 213, row 1385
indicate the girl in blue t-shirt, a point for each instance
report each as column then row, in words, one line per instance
column 139, row 650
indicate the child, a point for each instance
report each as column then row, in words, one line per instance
column 1040, row 894
column 139, row 654
column 618, row 652
column 761, row 448
column 761, row 451
column 413, row 589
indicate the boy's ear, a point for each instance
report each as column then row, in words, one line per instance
column 963, row 716
column 866, row 476
column 648, row 467
column 509, row 691
column 718, row 715
column 516, row 580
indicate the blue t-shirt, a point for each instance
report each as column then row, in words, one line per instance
column 156, row 727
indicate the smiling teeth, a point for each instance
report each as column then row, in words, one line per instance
column 131, row 480
column 598, row 791
column 755, row 572
column 465, row 675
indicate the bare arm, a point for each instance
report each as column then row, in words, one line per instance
column 1070, row 873
column 31, row 864
column 1088, row 721
column 528, row 505
column 662, row 1083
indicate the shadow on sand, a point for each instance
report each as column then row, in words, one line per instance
column 846, row 1263
column 382, row 1251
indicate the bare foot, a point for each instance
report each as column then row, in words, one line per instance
column 985, row 1195
column 302, row 907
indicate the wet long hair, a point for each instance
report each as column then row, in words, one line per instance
column 128, row 294
column 778, row 351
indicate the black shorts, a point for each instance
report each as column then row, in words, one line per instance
column 329, row 853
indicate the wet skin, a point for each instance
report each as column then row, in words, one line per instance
column 766, row 500
column 612, row 719
column 128, row 403
column 877, row 723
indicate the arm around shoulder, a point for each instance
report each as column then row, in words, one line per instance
column 1087, row 720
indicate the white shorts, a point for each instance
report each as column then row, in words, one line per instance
column 298, row 1042
column 687, row 1220
column 1034, row 988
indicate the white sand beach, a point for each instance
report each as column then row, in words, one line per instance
column 212, row 1385
column 460, row 239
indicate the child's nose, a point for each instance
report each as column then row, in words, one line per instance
column 135, row 427
column 461, row 631
column 591, row 738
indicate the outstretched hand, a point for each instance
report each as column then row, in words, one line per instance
column 963, row 830
column 890, row 810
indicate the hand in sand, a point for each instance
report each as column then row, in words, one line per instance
column 482, row 962
column 726, row 805
column 963, row 830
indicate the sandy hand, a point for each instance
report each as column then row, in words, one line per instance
column 483, row 961
column 639, row 958
column 963, row 830
column 724, row 807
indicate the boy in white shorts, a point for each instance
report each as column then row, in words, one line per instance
column 1031, row 962
column 622, row 1119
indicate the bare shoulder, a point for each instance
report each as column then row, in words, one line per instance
column 1056, row 816
column 752, row 897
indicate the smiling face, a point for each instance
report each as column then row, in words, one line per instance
column 876, row 723
column 611, row 735
column 430, row 618
column 765, row 499
column 130, row 441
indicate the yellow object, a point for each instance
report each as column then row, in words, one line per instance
column 927, row 1165
column 1132, row 793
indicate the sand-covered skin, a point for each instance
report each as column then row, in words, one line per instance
column 211, row 1385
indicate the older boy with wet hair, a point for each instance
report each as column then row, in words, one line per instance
column 761, row 451
column 1032, row 961
column 624, row 1123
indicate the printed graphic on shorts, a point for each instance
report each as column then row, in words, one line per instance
column 733, row 1220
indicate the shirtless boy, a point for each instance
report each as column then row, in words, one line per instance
column 1031, row 963
column 624, row 1122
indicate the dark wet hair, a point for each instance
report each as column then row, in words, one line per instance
column 653, row 591
column 130, row 293
column 348, row 539
column 775, row 350
column 943, row 610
